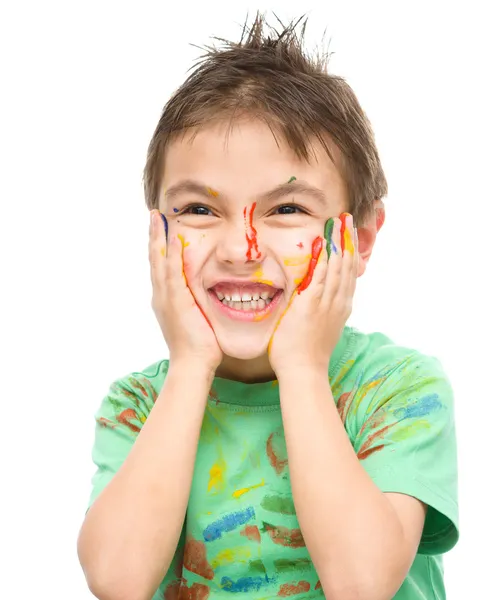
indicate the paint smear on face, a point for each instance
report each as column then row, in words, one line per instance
column 285, row 565
column 251, row 233
column 182, row 239
column 217, row 474
column 291, row 589
column 300, row 245
column 242, row 491
column 283, row 536
column 292, row 178
column 194, row 559
column 346, row 237
column 228, row 523
column 245, row 584
column 175, row 210
column 278, row 504
column 252, row 533
column 296, row 261
column 212, row 192
column 317, row 248
column 276, row 452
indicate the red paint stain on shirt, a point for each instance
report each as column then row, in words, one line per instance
column 318, row 586
column 197, row 591
column 315, row 254
column 290, row 589
column 251, row 532
column 125, row 418
column 194, row 559
column 251, row 237
column 292, row 538
column 277, row 463
column 106, row 423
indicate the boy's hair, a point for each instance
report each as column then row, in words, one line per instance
column 270, row 76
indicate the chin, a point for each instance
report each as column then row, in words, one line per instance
column 242, row 347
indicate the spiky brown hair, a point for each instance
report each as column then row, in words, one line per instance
column 269, row 75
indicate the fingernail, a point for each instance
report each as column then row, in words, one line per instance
column 165, row 221
column 329, row 229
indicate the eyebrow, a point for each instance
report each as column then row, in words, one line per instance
column 190, row 186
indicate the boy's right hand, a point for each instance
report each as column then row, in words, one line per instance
column 187, row 332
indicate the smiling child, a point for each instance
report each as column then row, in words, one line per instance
column 278, row 452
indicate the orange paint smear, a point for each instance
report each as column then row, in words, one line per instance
column 212, row 192
column 296, row 261
column 346, row 237
column 252, row 533
column 317, row 248
column 251, row 239
column 291, row 589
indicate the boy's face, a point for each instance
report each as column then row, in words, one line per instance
column 247, row 225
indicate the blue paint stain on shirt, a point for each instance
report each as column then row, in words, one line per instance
column 422, row 407
column 245, row 584
column 228, row 523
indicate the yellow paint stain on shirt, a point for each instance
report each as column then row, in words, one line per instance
column 217, row 474
column 230, row 556
column 239, row 493
column 296, row 261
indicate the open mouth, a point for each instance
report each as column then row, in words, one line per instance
column 249, row 299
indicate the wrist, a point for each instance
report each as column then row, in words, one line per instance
column 298, row 374
column 191, row 371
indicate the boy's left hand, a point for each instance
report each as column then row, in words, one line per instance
column 311, row 326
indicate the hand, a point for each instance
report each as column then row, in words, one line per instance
column 187, row 332
column 312, row 324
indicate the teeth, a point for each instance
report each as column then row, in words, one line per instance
column 245, row 297
column 265, row 295
column 220, row 296
column 228, row 298
column 256, row 296
column 261, row 304
column 236, row 298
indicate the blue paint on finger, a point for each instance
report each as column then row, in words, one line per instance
column 165, row 221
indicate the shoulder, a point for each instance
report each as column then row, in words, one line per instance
column 131, row 397
column 373, row 370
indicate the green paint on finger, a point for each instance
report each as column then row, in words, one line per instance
column 329, row 229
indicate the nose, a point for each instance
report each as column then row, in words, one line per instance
column 239, row 243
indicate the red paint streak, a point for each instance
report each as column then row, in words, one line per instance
column 318, row 586
column 106, row 423
column 197, row 591
column 291, row 538
column 194, row 559
column 213, row 395
column 366, row 450
column 172, row 591
column 278, row 464
column 343, row 218
column 300, row 245
column 126, row 417
column 137, row 385
column 252, row 238
column 290, row 589
column 369, row 452
column 252, row 533
column 316, row 251
column 341, row 403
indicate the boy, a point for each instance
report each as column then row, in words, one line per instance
column 278, row 452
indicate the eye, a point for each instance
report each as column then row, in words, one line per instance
column 289, row 209
column 196, row 209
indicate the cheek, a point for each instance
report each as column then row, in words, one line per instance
column 293, row 251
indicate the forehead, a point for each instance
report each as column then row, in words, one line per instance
column 248, row 156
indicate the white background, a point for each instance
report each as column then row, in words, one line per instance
column 83, row 87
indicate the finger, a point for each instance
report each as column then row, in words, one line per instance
column 317, row 269
column 156, row 249
column 349, row 257
column 175, row 274
column 334, row 262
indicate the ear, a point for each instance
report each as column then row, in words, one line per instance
column 367, row 233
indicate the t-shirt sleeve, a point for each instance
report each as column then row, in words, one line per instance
column 404, row 436
column 118, row 422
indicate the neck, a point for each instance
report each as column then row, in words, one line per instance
column 257, row 370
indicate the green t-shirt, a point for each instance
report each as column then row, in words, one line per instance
column 241, row 535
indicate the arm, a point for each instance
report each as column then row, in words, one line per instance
column 130, row 533
column 362, row 541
